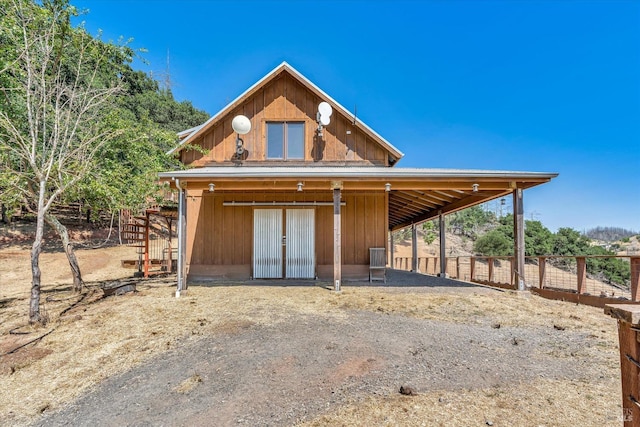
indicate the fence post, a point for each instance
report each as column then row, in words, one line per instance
column 512, row 270
column 635, row 277
column 457, row 267
column 581, row 273
column 542, row 271
column 414, row 248
column 472, row 267
column 147, row 224
column 490, row 261
column 628, row 316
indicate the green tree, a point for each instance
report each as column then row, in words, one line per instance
column 538, row 239
column 402, row 234
column 56, row 119
column 568, row 241
column 471, row 221
column 494, row 243
column 499, row 241
column 429, row 232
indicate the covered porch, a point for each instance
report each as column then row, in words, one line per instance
column 359, row 206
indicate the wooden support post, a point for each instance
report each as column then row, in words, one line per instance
column 182, row 239
column 512, row 270
column 542, row 271
column 391, row 250
column 414, row 248
column 472, row 268
column 628, row 316
column 635, row 278
column 170, row 260
column 518, row 233
column 443, row 246
column 147, row 225
column 581, row 273
column 457, row 267
column 337, row 239
column 491, row 275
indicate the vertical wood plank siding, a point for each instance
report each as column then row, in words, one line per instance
column 223, row 235
column 285, row 99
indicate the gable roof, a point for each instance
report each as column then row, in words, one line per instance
column 193, row 133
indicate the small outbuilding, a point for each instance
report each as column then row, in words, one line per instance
column 285, row 183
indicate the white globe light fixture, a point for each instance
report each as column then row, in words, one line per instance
column 242, row 126
column 323, row 117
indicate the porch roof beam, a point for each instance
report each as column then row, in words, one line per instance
column 435, row 188
column 466, row 202
column 414, row 199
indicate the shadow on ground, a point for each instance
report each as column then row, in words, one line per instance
column 395, row 279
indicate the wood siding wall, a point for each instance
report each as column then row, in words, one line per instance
column 285, row 99
column 223, row 235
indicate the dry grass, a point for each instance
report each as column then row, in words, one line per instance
column 189, row 384
column 99, row 337
column 540, row 403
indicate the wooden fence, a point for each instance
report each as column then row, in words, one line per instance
column 555, row 277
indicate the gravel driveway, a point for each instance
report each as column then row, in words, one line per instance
column 276, row 375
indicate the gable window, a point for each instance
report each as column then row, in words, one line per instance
column 285, row 140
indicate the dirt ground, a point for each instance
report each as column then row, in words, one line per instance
column 297, row 355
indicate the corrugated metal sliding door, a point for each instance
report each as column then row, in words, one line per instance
column 267, row 243
column 300, row 253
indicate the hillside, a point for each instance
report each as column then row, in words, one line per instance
column 456, row 246
column 630, row 246
column 609, row 234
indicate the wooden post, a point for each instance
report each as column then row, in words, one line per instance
column 443, row 246
column 512, row 270
column 457, row 267
column 414, row 248
column 518, row 233
column 391, row 251
column 542, row 271
column 490, row 261
column 337, row 238
column 170, row 261
column 581, row 273
column 182, row 239
column 472, row 268
column 147, row 225
column 628, row 316
column 635, row 277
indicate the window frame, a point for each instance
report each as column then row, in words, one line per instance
column 285, row 139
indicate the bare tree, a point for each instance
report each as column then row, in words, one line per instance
column 61, row 117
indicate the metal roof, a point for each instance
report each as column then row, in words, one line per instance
column 198, row 130
column 346, row 172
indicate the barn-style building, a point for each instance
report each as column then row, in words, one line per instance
column 285, row 183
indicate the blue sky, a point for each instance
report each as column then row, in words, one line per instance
column 549, row 86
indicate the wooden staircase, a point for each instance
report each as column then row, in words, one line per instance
column 151, row 235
